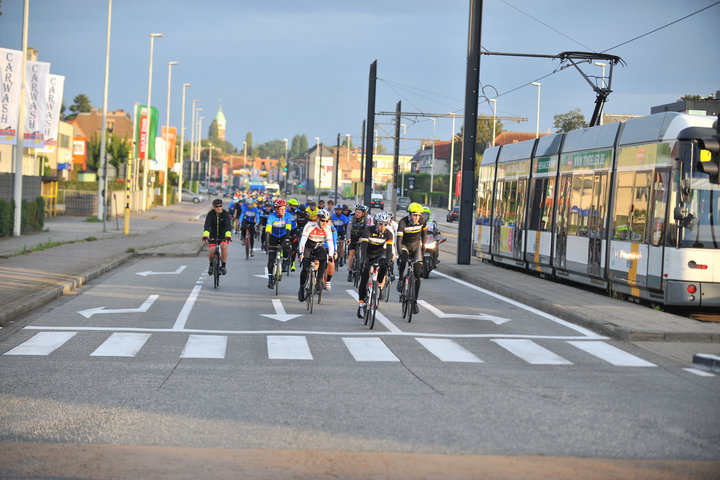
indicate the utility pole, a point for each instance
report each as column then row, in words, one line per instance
column 337, row 165
column 396, row 157
column 371, row 134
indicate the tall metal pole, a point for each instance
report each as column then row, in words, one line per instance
column 467, row 186
column 337, row 165
column 362, row 160
column 316, row 165
column 371, row 134
column 287, row 167
column 17, row 184
column 452, row 164
column 149, row 123
column 432, row 161
column 537, row 122
column 494, row 100
column 167, row 135
column 396, row 157
column 192, row 144
column 102, row 195
column 181, row 155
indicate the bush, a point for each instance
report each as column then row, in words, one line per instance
column 32, row 216
column 6, row 217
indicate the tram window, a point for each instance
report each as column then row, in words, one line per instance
column 659, row 204
column 541, row 204
column 623, row 206
column 640, row 206
column 548, row 199
column 575, row 207
column 484, row 202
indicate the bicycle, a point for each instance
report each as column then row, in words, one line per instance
column 278, row 267
column 389, row 276
column 310, row 286
column 247, row 242
column 407, row 297
column 355, row 270
column 371, row 303
column 216, row 266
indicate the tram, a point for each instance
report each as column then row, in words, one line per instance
column 626, row 207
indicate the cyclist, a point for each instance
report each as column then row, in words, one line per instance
column 346, row 210
column 248, row 218
column 233, row 211
column 300, row 217
column 312, row 211
column 265, row 212
column 278, row 228
column 376, row 243
column 217, row 230
column 355, row 227
column 432, row 228
column 393, row 226
column 411, row 240
column 340, row 221
column 312, row 247
column 330, row 271
column 321, row 204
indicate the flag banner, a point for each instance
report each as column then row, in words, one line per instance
column 36, row 78
column 55, row 87
column 170, row 139
column 144, row 130
column 10, row 80
column 160, row 160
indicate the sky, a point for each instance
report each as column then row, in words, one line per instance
column 286, row 67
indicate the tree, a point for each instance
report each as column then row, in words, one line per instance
column 213, row 132
column 347, row 142
column 271, row 149
column 248, row 141
column 81, row 104
column 565, row 122
column 689, row 97
column 484, row 138
column 298, row 146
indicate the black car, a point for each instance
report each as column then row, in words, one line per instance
column 453, row 214
column 376, row 201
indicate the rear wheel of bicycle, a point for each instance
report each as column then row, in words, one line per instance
column 216, row 269
column 276, row 276
column 385, row 292
column 403, row 297
column 309, row 291
column 410, row 297
column 373, row 304
column 247, row 245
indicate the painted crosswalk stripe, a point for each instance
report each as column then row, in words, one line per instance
column 43, row 343
column 612, row 355
column 205, row 346
column 531, row 352
column 121, row 344
column 369, row 350
column 448, row 351
column 288, row 347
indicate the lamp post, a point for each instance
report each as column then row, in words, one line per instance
column 537, row 122
column 167, row 134
column 244, row 154
column 603, row 65
column 209, row 165
column 198, row 147
column 286, row 162
column 149, row 117
column 452, row 162
column 192, row 143
column 494, row 102
column 102, row 194
column 432, row 160
column 317, row 164
column 182, row 146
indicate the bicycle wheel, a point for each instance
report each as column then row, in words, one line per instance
column 216, row 268
column 385, row 293
column 403, row 297
column 410, row 297
column 373, row 304
column 276, row 275
column 310, row 291
column 247, row 245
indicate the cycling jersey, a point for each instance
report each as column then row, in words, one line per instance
column 217, row 225
column 262, row 220
column 334, row 237
column 312, row 212
column 374, row 243
column 314, row 234
column 355, row 227
column 279, row 226
column 409, row 234
column 340, row 223
column 300, row 217
column 249, row 214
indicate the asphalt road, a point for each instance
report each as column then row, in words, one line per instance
column 150, row 371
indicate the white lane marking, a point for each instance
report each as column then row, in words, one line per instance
column 612, row 355
column 182, row 318
column 448, row 351
column 700, row 373
column 121, row 344
column 581, row 330
column 378, row 315
column 44, row 343
column 142, row 309
column 280, row 315
column 369, row 350
column 263, row 276
column 440, row 314
column 205, row 346
column 531, row 352
column 288, row 347
column 150, row 272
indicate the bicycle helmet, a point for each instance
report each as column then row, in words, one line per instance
column 292, row 202
column 217, row 202
column 338, row 207
column 280, row 203
column 415, row 207
column 382, row 217
column 426, row 210
column 323, row 215
column 361, row 207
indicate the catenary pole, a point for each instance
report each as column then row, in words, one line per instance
column 396, row 157
column 367, row 186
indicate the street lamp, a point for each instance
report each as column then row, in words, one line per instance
column 494, row 102
column 149, row 117
column 182, row 145
column 603, row 65
column 537, row 122
column 316, row 167
column 102, row 193
column 192, row 142
column 167, row 134
column 286, row 162
column 432, row 161
column 244, row 154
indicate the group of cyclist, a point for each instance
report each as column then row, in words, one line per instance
column 315, row 231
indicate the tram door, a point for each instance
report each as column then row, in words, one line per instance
column 563, row 212
column 596, row 223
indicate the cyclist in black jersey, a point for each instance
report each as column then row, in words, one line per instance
column 355, row 228
column 376, row 243
column 300, row 217
column 411, row 241
column 217, row 231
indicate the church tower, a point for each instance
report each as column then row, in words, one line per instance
column 220, row 119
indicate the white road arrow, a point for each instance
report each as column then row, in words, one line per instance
column 481, row 316
column 280, row 314
column 143, row 308
column 263, row 276
column 149, row 272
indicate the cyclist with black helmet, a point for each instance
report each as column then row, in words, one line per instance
column 411, row 240
column 278, row 228
column 340, row 221
column 355, row 228
column 248, row 218
column 217, row 231
column 300, row 217
column 376, row 244
column 313, row 239
column 265, row 212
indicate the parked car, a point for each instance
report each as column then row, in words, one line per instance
column 453, row 214
column 403, row 203
column 376, row 201
column 188, row 196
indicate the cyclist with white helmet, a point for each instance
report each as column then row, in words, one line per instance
column 376, row 244
column 355, row 228
column 312, row 247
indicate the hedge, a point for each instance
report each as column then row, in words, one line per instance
column 32, row 216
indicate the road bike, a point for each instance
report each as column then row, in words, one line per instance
column 374, row 296
column 279, row 266
column 407, row 296
column 248, row 242
column 354, row 274
column 389, row 276
column 311, row 286
column 216, row 267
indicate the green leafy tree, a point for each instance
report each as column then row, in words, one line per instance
column 81, row 104
column 248, row 141
column 689, row 97
column 347, row 142
column 572, row 120
column 298, row 146
column 484, row 138
column 118, row 148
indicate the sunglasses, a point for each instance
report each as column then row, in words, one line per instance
column 382, row 224
column 323, row 220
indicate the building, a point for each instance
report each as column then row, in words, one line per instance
column 118, row 122
column 706, row 106
column 221, row 123
column 422, row 161
column 506, row 138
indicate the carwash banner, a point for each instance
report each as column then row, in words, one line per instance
column 55, row 85
column 10, row 79
column 144, row 130
column 36, row 78
column 170, row 136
